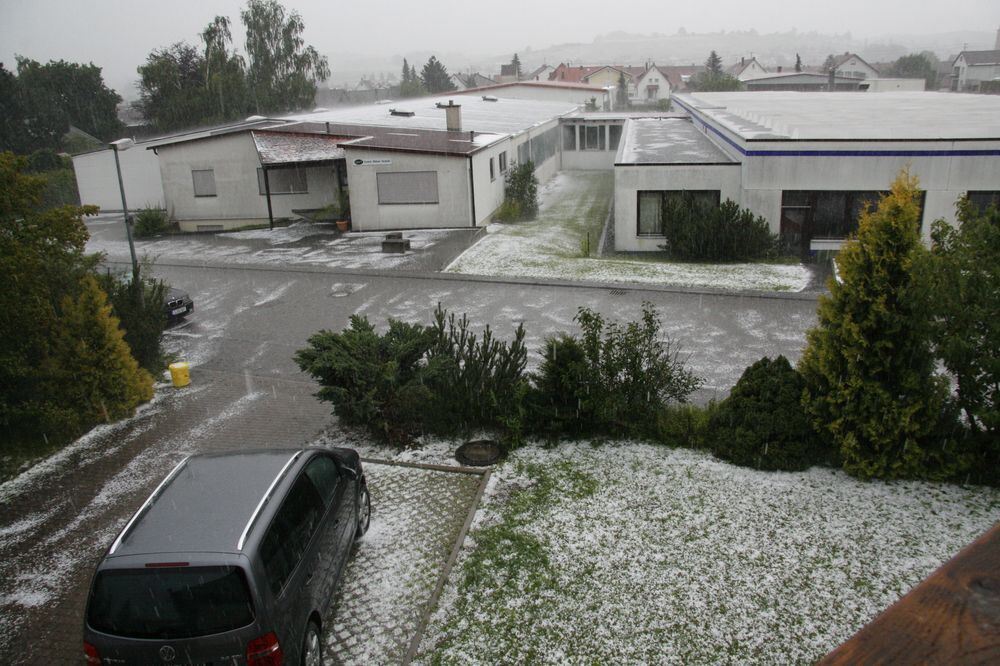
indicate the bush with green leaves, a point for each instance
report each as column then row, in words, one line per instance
column 612, row 380
column 699, row 231
column 150, row 222
column 868, row 366
column 762, row 424
column 521, row 189
column 374, row 380
column 138, row 305
column 962, row 275
column 477, row 382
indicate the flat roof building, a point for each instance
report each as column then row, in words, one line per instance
column 810, row 162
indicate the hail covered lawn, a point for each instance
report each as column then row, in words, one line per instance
column 637, row 554
column 553, row 246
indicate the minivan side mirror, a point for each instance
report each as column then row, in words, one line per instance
column 349, row 472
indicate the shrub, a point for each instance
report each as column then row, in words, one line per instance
column 475, row 382
column 697, row 230
column 150, row 222
column 373, row 380
column 624, row 376
column 962, row 274
column 682, row 425
column 509, row 211
column 90, row 369
column 138, row 305
column 868, row 367
column 762, row 424
column 521, row 188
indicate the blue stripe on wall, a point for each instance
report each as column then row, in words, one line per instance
column 835, row 153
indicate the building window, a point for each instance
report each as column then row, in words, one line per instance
column 569, row 137
column 614, row 136
column 650, row 217
column 204, row 182
column 503, row 162
column 407, row 187
column 283, row 181
column 808, row 215
column 984, row 199
column 493, row 173
column 592, row 137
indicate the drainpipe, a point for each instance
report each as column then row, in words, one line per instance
column 472, row 192
column 267, row 193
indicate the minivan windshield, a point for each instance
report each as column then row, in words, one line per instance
column 170, row 602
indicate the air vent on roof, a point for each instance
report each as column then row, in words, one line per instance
column 490, row 98
column 399, row 112
column 320, row 109
column 253, row 119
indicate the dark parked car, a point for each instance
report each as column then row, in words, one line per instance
column 233, row 559
column 177, row 304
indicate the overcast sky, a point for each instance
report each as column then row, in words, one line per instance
column 118, row 34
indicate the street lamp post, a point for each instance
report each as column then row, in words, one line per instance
column 125, row 144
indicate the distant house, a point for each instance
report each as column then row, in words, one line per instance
column 852, row 66
column 508, row 73
column 540, row 74
column 471, row 80
column 546, row 91
column 651, row 86
column 679, row 75
column 746, row 69
column 972, row 68
column 803, row 82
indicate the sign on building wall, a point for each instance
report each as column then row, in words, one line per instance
column 382, row 161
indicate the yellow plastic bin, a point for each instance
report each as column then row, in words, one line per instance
column 180, row 374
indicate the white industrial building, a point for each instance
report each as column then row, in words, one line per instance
column 807, row 162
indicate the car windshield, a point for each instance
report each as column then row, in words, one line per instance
column 170, row 602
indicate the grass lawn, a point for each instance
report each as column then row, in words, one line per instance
column 638, row 554
column 574, row 204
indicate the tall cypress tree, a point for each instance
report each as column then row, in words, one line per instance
column 868, row 365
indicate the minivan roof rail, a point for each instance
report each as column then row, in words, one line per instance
column 264, row 500
column 145, row 507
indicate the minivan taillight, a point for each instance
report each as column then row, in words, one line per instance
column 91, row 654
column 264, row 651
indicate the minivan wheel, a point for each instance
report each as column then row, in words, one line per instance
column 364, row 512
column 312, row 647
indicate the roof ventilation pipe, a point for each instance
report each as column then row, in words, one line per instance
column 453, row 116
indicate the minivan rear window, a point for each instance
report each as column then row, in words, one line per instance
column 170, row 602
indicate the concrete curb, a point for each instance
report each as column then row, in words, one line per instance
column 461, row 277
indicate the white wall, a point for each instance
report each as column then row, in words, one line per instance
column 944, row 178
column 454, row 202
column 238, row 201
column 97, row 179
column 590, row 160
column 889, row 85
column 629, row 180
column 489, row 193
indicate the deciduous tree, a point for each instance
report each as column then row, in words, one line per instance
column 282, row 71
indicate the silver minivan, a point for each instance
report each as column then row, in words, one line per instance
column 233, row 559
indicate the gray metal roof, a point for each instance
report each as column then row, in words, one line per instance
column 850, row 116
column 294, row 148
column 981, row 57
column 504, row 116
column 205, row 507
column 667, row 141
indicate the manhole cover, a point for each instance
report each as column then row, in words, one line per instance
column 478, row 453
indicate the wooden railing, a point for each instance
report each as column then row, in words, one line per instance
column 952, row 617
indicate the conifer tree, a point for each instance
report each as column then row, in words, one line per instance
column 516, row 63
column 798, row 63
column 869, row 371
column 435, row 77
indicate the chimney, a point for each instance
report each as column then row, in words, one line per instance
column 779, row 69
column 833, row 74
column 743, row 61
column 997, row 44
column 453, row 116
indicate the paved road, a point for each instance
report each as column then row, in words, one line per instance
column 251, row 315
